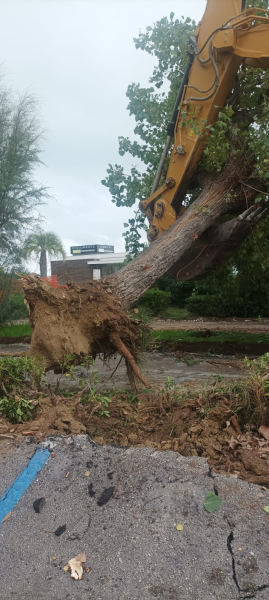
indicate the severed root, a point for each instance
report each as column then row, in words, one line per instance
column 118, row 343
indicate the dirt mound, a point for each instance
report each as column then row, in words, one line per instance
column 79, row 320
column 156, row 420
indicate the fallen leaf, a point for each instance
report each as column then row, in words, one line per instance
column 54, row 558
column 217, row 447
column 266, row 509
column 263, row 430
column 68, row 473
column 11, row 430
column 53, row 455
column 240, row 549
column 66, row 568
column 76, row 565
column 235, row 424
column 6, row 517
column 28, row 432
column 83, row 447
column 260, row 495
column 125, row 412
column 87, row 473
column 212, row 502
column 180, row 527
column 87, row 569
column 136, row 311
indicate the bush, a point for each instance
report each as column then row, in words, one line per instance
column 213, row 306
column 12, row 307
column 180, row 290
column 18, row 376
column 155, row 301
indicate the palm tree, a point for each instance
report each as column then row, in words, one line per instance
column 41, row 244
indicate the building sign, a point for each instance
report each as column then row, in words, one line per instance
column 91, row 249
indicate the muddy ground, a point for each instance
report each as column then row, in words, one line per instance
column 178, row 414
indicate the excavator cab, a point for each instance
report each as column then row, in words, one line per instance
column 228, row 35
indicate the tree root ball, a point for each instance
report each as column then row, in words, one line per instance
column 80, row 320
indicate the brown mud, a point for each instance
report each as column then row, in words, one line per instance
column 156, row 420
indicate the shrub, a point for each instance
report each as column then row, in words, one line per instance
column 180, row 290
column 12, row 307
column 17, row 377
column 213, row 306
column 155, row 301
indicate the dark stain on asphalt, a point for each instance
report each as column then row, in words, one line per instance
column 106, row 496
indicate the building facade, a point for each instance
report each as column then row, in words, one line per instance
column 85, row 263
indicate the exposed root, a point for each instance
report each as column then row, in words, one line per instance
column 118, row 343
column 79, row 320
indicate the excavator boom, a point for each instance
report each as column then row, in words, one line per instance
column 227, row 36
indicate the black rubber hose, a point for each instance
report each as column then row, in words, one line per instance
column 173, row 120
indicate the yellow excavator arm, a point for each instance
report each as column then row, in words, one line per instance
column 227, row 36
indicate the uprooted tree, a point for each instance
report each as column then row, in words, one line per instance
column 231, row 176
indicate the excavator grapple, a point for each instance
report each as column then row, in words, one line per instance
column 228, row 35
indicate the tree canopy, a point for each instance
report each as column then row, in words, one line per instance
column 43, row 243
column 242, row 130
column 21, row 140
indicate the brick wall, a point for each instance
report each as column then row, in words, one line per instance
column 75, row 270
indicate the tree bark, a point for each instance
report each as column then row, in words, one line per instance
column 43, row 264
column 138, row 276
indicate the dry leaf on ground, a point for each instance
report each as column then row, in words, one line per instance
column 263, row 430
column 87, row 473
column 75, row 565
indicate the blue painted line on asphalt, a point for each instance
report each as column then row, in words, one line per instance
column 20, row 485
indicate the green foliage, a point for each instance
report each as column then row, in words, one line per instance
column 17, row 377
column 86, row 379
column 40, row 244
column 17, row 409
column 16, row 373
column 20, row 147
column 152, row 110
column 13, row 331
column 12, row 307
column 218, row 337
column 180, row 290
column 241, row 288
column 155, row 301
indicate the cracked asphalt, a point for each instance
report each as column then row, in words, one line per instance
column 123, row 515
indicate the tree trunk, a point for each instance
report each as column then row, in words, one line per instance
column 43, row 264
column 139, row 275
column 91, row 318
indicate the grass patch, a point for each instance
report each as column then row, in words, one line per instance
column 216, row 336
column 15, row 330
column 173, row 312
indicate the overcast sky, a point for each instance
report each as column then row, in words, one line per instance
column 78, row 57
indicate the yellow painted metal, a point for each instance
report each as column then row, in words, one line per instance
column 224, row 51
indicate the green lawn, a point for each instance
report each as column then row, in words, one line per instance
column 15, row 330
column 217, row 336
column 172, row 312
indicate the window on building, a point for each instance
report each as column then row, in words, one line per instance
column 110, row 269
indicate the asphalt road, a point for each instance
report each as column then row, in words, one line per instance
column 121, row 507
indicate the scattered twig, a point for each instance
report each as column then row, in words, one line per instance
column 116, row 368
column 10, row 437
column 94, row 410
column 5, row 390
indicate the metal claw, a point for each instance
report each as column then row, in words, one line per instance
column 253, row 215
column 245, row 214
